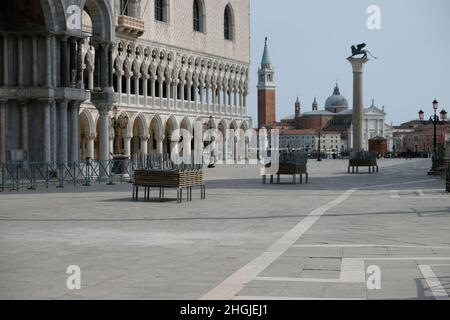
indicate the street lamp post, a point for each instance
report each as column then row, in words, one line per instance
column 435, row 120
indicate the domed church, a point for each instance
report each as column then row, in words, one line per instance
column 337, row 117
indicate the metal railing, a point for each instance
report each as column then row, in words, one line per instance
column 16, row 176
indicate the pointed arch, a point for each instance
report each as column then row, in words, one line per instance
column 228, row 21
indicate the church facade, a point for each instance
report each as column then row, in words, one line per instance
column 337, row 117
column 95, row 78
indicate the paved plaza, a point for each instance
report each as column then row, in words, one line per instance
column 245, row 241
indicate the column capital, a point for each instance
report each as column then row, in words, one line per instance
column 91, row 136
column 358, row 64
column 144, row 137
column 103, row 109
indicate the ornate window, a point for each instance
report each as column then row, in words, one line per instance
column 228, row 23
column 124, row 7
column 198, row 14
column 161, row 10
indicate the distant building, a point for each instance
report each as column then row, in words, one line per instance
column 308, row 140
column 336, row 117
column 418, row 136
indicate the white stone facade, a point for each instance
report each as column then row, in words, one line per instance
column 59, row 88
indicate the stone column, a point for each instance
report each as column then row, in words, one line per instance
column 136, row 87
column 145, row 88
column 175, row 93
column 208, row 107
column 106, row 67
column 90, row 146
column 65, row 63
column 144, row 144
column 182, row 83
column 3, row 130
column 128, row 86
column 119, row 75
column 63, row 155
column 24, row 123
column 358, row 102
column 225, row 103
column 90, row 70
column 104, row 133
column 160, row 83
column 20, row 60
column 201, row 96
column 159, row 144
column 34, row 60
column 75, row 136
column 48, row 76
column 54, row 131
column 127, row 145
column 168, row 93
column 5, row 60
column 80, row 82
column 194, row 98
column 73, row 61
column 189, row 92
column 47, row 147
column 153, row 88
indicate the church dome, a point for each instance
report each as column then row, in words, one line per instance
column 336, row 103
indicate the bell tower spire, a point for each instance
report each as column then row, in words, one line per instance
column 266, row 90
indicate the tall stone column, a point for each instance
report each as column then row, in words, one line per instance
column 65, row 63
column 74, row 136
column 358, row 102
column 63, row 155
column 47, row 150
column 3, row 130
column 24, row 123
column 104, row 133
column 106, row 67
column 80, row 83
column 20, row 60
column 35, row 61
column 48, row 75
column 5, row 60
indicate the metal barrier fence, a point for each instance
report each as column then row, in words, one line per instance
column 31, row 175
column 16, row 176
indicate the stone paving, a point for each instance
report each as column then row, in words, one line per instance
column 246, row 241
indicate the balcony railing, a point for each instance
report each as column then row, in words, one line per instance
column 131, row 26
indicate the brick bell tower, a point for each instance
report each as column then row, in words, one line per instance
column 266, row 91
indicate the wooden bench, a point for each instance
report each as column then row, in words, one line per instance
column 291, row 163
column 162, row 179
column 363, row 159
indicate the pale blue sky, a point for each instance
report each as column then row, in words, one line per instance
column 309, row 42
